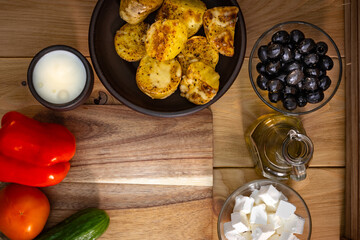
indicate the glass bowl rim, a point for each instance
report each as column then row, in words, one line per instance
column 254, row 84
column 246, row 185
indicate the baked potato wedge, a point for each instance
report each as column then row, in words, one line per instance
column 130, row 41
column 219, row 26
column 189, row 12
column 197, row 49
column 165, row 39
column 200, row 84
column 158, row 79
column 135, row 11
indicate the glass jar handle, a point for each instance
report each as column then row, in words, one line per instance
column 304, row 154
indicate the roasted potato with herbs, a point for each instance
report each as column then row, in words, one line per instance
column 130, row 41
column 197, row 49
column 219, row 26
column 165, row 39
column 200, row 84
column 135, row 11
column 158, row 79
column 189, row 12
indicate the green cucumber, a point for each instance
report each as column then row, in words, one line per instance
column 86, row 224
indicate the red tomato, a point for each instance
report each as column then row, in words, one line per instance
column 23, row 211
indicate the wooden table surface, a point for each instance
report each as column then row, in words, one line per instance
column 29, row 26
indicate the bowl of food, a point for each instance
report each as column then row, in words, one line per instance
column 295, row 67
column 264, row 209
column 143, row 61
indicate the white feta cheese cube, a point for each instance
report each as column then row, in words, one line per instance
column 255, row 196
column 243, row 204
column 230, row 232
column 288, row 236
column 240, row 222
column 270, row 196
column 285, row 209
column 274, row 237
column 246, row 235
column 274, row 220
column 258, row 215
column 294, row 224
column 262, row 232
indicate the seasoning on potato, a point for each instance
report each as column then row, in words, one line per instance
column 189, row 12
column 165, row 39
column 130, row 41
column 135, row 11
column 197, row 49
column 158, row 79
column 219, row 26
column 200, row 84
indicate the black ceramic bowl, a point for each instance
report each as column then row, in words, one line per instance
column 118, row 75
column 89, row 83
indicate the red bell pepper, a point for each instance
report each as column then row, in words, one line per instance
column 28, row 140
column 34, row 153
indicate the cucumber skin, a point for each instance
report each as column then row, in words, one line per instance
column 87, row 224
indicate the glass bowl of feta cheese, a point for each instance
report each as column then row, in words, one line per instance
column 264, row 209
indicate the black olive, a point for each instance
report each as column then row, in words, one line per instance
column 301, row 100
column 273, row 68
column 261, row 68
column 275, row 85
column 296, row 36
column 321, row 48
column 261, row 81
column 291, row 45
column 300, row 86
column 282, row 77
column 294, row 77
column 287, row 55
column 312, row 72
column 297, row 55
column 315, row 97
column 275, row 96
column 306, row 45
column 326, row 63
column 280, row 37
column 310, row 83
column 289, row 102
column 291, row 66
column 311, row 59
column 324, row 83
column 262, row 53
column 290, row 90
column 274, row 50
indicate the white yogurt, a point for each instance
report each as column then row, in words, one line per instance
column 59, row 77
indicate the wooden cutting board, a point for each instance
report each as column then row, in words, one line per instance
column 153, row 176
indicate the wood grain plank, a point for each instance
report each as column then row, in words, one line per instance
column 352, row 38
column 240, row 106
column 121, row 196
column 40, row 23
column 51, row 24
column 118, row 145
column 177, row 221
column 325, row 203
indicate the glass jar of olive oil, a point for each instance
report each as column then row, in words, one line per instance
column 279, row 147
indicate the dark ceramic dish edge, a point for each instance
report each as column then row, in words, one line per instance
column 78, row 100
column 254, row 182
column 196, row 108
column 253, row 82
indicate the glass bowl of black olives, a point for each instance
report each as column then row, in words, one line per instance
column 295, row 67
